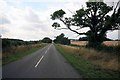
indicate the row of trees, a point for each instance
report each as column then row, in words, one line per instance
column 61, row 39
column 46, row 40
column 16, row 42
column 86, row 39
column 96, row 17
column 6, row 43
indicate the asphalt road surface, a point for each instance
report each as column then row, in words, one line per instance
column 44, row 63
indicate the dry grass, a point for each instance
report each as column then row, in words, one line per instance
column 108, row 43
column 15, row 53
column 14, row 50
column 102, row 59
column 81, row 43
column 111, row 43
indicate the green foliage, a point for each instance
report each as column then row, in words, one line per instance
column 95, row 17
column 108, row 49
column 56, row 25
column 83, row 39
column 62, row 40
column 86, row 39
column 46, row 40
column 85, row 67
column 58, row 14
column 16, row 54
column 7, row 43
column 11, row 42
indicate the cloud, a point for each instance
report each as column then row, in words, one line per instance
column 32, row 17
column 23, row 19
column 4, row 20
column 26, row 24
column 3, row 7
column 113, row 34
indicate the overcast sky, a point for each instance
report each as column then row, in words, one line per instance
column 30, row 19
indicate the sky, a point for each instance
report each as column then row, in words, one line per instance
column 30, row 19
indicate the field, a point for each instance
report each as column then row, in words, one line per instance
column 14, row 53
column 101, row 61
column 108, row 43
column 101, row 58
column 91, row 63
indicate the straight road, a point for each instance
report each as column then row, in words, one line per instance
column 44, row 63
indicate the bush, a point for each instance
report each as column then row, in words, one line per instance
column 11, row 42
column 46, row 40
column 109, row 49
column 62, row 40
column 7, row 43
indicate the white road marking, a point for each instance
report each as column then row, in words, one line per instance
column 39, row 61
column 45, row 52
column 47, row 49
column 42, row 57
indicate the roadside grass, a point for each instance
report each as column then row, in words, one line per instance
column 115, row 49
column 85, row 65
column 16, row 53
column 99, row 58
column 105, row 56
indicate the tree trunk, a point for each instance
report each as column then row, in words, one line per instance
column 94, row 39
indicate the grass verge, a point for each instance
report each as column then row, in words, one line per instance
column 19, row 53
column 85, row 67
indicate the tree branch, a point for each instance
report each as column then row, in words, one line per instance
column 88, row 16
column 91, row 13
column 76, row 31
column 62, row 21
column 61, row 28
column 116, row 7
column 68, row 26
column 102, row 17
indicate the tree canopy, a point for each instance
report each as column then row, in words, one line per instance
column 46, row 40
column 7, row 43
column 62, row 40
column 96, row 17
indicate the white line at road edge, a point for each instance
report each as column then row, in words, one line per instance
column 39, row 61
column 42, row 57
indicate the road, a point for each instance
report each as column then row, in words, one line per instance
column 44, row 63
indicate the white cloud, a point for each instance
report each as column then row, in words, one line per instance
column 28, row 23
column 3, row 7
column 4, row 20
column 32, row 17
column 113, row 34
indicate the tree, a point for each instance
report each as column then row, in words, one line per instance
column 62, row 40
column 95, row 17
column 46, row 40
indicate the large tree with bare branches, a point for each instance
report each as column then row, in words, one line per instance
column 96, row 17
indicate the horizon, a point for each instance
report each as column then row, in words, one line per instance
column 52, row 39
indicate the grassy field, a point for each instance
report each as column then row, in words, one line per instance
column 108, row 43
column 90, row 63
column 14, row 53
column 112, row 47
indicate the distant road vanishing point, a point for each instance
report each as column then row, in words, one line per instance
column 44, row 63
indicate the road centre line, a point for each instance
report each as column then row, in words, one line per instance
column 42, row 57
column 39, row 61
column 48, row 49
